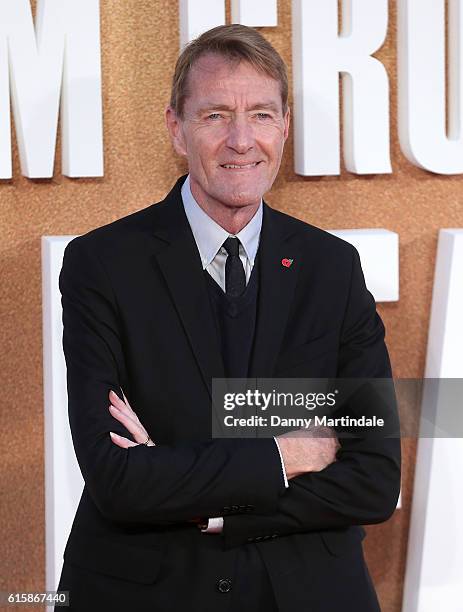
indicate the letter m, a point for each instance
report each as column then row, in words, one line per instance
column 49, row 70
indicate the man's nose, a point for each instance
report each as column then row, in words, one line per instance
column 240, row 134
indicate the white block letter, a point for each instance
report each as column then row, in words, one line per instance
column 5, row 132
column 320, row 54
column 62, row 52
column 197, row 16
column 421, row 87
column 255, row 13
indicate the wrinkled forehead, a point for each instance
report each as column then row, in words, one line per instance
column 213, row 63
column 225, row 81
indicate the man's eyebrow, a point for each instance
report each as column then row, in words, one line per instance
column 211, row 106
column 266, row 106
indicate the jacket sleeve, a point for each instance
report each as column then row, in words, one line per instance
column 156, row 484
column 362, row 485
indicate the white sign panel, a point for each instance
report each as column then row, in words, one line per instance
column 63, row 479
column 434, row 572
column 379, row 254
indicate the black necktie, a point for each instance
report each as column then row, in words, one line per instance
column 235, row 278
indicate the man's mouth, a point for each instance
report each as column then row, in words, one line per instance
column 240, row 166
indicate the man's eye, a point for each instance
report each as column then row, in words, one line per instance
column 263, row 116
column 214, row 116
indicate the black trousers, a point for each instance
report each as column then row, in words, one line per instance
column 252, row 590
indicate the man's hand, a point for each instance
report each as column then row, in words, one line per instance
column 122, row 411
column 308, row 450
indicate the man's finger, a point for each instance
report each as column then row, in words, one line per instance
column 125, row 399
column 136, row 429
column 121, row 441
column 116, row 400
column 123, row 406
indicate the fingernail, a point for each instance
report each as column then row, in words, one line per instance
column 113, row 407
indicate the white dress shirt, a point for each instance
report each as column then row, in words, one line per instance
column 209, row 237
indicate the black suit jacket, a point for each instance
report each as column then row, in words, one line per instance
column 136, row 315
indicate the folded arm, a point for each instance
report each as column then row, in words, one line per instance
column 156, row 484
column 362, row 485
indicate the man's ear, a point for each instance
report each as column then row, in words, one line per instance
column 287, row 119
column 174, row 126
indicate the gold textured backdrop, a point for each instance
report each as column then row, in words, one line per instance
column 139, row 49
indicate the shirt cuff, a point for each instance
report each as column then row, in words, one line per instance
column 282, row 464
column 214, row 525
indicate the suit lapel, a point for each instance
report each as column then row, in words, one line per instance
column 277, row 282
column 180, row 264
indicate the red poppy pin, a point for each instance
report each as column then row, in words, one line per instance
column 286, row 262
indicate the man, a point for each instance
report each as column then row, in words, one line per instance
column 212, row 282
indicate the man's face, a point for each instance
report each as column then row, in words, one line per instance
column 232, row 132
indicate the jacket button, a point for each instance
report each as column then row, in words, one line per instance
column 224, row 585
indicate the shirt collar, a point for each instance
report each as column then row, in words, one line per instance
column 210, row 236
